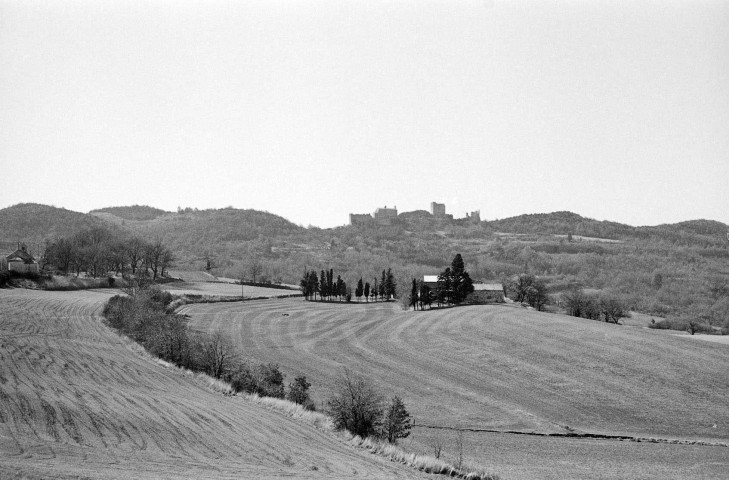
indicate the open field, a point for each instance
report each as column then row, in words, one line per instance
column 504, row 368
column 79, row 401
column 224, row 289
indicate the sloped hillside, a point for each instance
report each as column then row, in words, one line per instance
column 134, row 212
column 500, row 368
column 227, row 224
column 561, row 223
column 31, row 222
column 77, row 400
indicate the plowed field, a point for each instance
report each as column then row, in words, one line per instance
column 77, row 400
column 502, row 368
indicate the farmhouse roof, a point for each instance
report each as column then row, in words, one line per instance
column 488, row 286
column 430, row 278
column 20, row 255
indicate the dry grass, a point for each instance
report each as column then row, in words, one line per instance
column 426, row 463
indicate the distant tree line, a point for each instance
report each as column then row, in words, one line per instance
column 326, row 287
column 97, row 251
column 594, row 307
column 530, row 290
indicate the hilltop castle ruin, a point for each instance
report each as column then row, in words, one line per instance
column 386, row 216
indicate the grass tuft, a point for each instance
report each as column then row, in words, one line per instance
column 425, row 463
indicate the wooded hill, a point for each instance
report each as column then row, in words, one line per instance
column 680, row 269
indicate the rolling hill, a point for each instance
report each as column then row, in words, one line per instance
column 691, row 258
column 35, row 223
column 495, row 369
column 79, row 401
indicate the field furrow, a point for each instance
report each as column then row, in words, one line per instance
column 503, row 368
column 78, row 400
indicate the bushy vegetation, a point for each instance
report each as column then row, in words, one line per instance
column 690, row 325
column 594, row 307
column 147, row 316
column 56, row 282
column 358, row 407
column 8, row 276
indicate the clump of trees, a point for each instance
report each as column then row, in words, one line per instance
column 357, row 406
column 97, row 251
column 327, row 288
column 453, row 286
column 594, row 307
column 146, row 316
column 531, row 290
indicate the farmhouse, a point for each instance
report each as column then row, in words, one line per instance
column 19, row 261
column 431, row 281
column 486, row 293
column 482, row 292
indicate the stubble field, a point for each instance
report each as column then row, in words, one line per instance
column 79, row 401
column 507, row 369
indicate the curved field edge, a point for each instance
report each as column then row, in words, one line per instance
column 77, row 400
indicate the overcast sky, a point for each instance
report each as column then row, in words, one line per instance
column 312, row 110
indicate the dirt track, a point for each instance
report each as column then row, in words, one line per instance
column 509, row 369
column 77, row 400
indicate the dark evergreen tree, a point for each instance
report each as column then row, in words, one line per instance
column 390, row 285
column 396, row 423
column 383, row 283
column 425, row 296
column 341, row 288
column 367, row 291
column 331, row 286
column 414, row 295
column 299, row 392
column 323, row 285
column 445, row 286
column 359, row 289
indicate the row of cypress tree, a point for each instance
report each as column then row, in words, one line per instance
column 326, row 287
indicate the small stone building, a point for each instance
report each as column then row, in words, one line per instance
column 486, row 293
column 19, row 261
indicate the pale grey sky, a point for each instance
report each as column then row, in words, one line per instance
column 615, row 110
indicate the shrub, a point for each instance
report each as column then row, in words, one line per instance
column 214, row 354
column 299, row 393
column 356, row 405
column 396, row 423
column 263, row 380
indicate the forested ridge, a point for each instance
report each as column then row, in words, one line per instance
column 679, row 269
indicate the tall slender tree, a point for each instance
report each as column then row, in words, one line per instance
column 390, row 285
column 367, row 291
column 359, row 289
column 414, row 295
column 323, row 286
